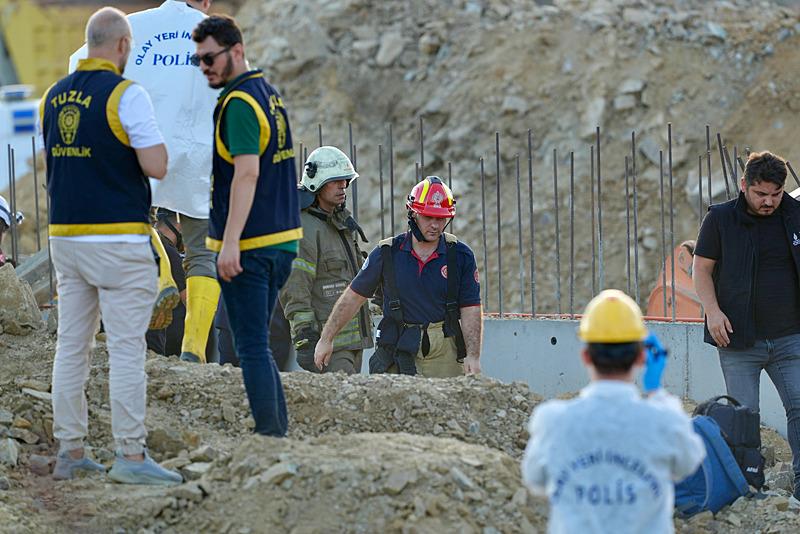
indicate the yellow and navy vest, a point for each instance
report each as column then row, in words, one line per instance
column 275, row 215
column 95, row 183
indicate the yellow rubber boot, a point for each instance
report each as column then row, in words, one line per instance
column 168, row 295
column 202, row 297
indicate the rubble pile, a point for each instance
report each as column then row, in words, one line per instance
column 560, row 68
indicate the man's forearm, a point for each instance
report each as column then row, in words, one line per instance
column 472, row 327
column 344, row 310
column 243, row 190
column 704, row 287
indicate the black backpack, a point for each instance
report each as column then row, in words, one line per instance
column 741, row 428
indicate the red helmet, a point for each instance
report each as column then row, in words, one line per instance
column 432, row 198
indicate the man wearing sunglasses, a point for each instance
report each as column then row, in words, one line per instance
column 160, row 61
column 254, row 223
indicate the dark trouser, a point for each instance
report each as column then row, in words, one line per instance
column 249, row 300
column 280, row 340
column 781, row 359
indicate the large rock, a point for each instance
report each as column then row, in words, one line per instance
column 19, row 312
column 9, row 452
column 392, row 44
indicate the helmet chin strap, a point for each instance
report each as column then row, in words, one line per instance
column 412, row 223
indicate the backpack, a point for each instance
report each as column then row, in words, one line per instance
column 741, row 428
column 717, row 482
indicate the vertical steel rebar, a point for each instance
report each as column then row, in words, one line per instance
column 36, row 195
column 391, row 181
column 708, row 162
column 700, row 190
column 558, row 231
column 663, row 233
column 794, row 174
column 591, row 213
column 740, row 161
column 49, row 251
column 635, row 233
column 635, row 220
column 417, row 176
column 671, row 220
column 380, row 181
column 600, row 256
column 300, row 162
column 735, row 170
column 732, row 170
column 319, row 131
column 421, row 148
column 572, row 235
column 450, row 185
column 355, row 183
column 724, row 169
column 12, row 191
column 532, row 225
column 519, row 240
column 499, row 233
column 628, row 223
column 483, row 233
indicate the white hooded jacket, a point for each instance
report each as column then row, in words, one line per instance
column 608, row 459
column 183, row 102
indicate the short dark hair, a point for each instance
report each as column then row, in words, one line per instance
column 765, row 167
column 613, row 358
column 222, row 28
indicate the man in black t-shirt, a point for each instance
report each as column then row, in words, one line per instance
column 746, row 273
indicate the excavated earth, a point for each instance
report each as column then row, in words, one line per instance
column 364, row 454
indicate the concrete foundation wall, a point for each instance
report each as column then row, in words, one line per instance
column 544, row 353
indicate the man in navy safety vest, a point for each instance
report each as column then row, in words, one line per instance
column 254, row 222
column 102, row 142
column 160, row 62
column 432, row 317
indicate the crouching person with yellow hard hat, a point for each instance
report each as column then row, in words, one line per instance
column 607, row 460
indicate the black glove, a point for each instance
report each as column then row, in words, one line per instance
column 304, row 344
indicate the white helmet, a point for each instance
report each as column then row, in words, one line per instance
column 5, row 213
column 325, row 164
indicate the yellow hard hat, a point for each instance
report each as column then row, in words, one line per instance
column 612, row 317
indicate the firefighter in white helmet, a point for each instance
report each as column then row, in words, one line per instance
column 607, row 460
column 328, row 260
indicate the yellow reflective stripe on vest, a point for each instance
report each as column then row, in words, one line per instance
column 263, row 125
column 260, row 241
column 304, row 265
column 112, row 112
column 69, row 230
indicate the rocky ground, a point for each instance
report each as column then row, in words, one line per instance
column 364, row 454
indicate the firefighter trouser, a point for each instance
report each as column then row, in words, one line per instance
column 440, row 362
column 348, row 361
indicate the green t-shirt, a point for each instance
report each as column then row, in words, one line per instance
column 241, row 136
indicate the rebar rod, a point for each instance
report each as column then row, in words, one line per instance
column 519, row 239
column 572, row 235
column 627, row 224
column 380, row 181
column 663, row 233
column 391, row 180
column 499, row 232
column 724, row 169
column 591, row 213
column 600, row 255
column 483, row 233
column 671, row 220
column 532, row 224
column 558, row 231
column 36, row 195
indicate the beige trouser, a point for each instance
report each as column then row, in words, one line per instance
column 118, row 282
column 440, row 361
column 348, row 361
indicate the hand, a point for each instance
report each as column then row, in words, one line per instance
column 472, row 365
column 228, row 265
column 323, row 353
column 719, row 326
column 304, row 343
column 654, row 364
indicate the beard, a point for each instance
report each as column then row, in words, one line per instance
column 226, row 73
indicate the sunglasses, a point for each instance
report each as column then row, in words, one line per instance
column 208, row 59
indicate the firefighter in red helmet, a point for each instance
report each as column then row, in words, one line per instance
column 432, row 322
